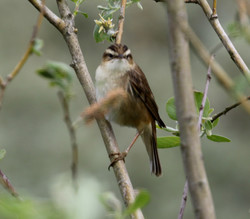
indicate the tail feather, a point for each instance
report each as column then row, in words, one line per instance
column 149, row 138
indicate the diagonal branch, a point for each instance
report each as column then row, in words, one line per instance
column 81, row 70
column 7, row 184
column 72, row 133
column 217, row 69
column 235, row 56
column 227, row 109
column 23, row 60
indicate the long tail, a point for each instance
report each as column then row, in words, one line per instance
column 149, row 138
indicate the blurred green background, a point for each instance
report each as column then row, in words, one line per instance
column 33, row 132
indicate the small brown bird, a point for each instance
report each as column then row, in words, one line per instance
column 136, row 106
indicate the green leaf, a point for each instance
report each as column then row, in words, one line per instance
column 215, row 122
column 58, row 73
column 2, row 153
column 140, row 201
column 83, row 13
column 198, row 96
column 37, row 47
column 168, row 142
column 171, row 109
column 208, row 125
column 218, row 138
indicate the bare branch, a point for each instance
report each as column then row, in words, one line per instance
column 28, row 52
column 205, row 94
column 7, row 184
column 218, row 71
column 183, row 200
column 190, row 141
column 71, row 129
column 235, row 56
column 225, row 111
column 49, row 15
column 118, row 39
column 192, row 1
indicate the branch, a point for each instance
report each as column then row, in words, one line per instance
column 6, row 183
column 71, row 129
column 81, row 70
column 28, row 52
column 214, row 21
column 190, row 141
column 185, row 190
column 183, row 200
column 226, row 110
column 192, row 1
column 217, row 70
column 121, row 22
column 49, row 15
column 205, row 94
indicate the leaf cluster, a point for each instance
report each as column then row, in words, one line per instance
column 59, row 75
column 105, row 28
column 207, row 125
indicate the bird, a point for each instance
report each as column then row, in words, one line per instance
column 127, row 99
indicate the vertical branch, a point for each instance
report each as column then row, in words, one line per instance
column 71, row 129
column 118, row 39
column 205, row 93
column 190, row 141
column 183, row 200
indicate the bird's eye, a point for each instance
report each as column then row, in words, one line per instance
column 110, row 55
column 129, row 56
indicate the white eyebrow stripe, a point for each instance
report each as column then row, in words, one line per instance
column 112, row 52
column 128, row 52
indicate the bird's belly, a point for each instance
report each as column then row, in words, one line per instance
column 130, row 113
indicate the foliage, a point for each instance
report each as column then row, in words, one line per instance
column 77, row 5
column 206, row 125
column 13, row 208
column 59, row 75
column 105, row 28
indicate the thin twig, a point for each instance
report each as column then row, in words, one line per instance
column 226, row 110
column 81, row 70
column 7, row 184
column 205, row 94
column 183, row 200
column 118, row 39
column 235, row 56
column 28, row 52
column 214, row 14
column 192, row 1
column 72, row 133
column 221, row 75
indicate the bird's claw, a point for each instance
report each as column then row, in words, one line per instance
column 119, row 156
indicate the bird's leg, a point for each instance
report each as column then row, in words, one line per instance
column 121, row 156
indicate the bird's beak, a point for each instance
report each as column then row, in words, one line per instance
column 120, row 56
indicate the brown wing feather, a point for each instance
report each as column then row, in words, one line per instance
column 140, row 88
